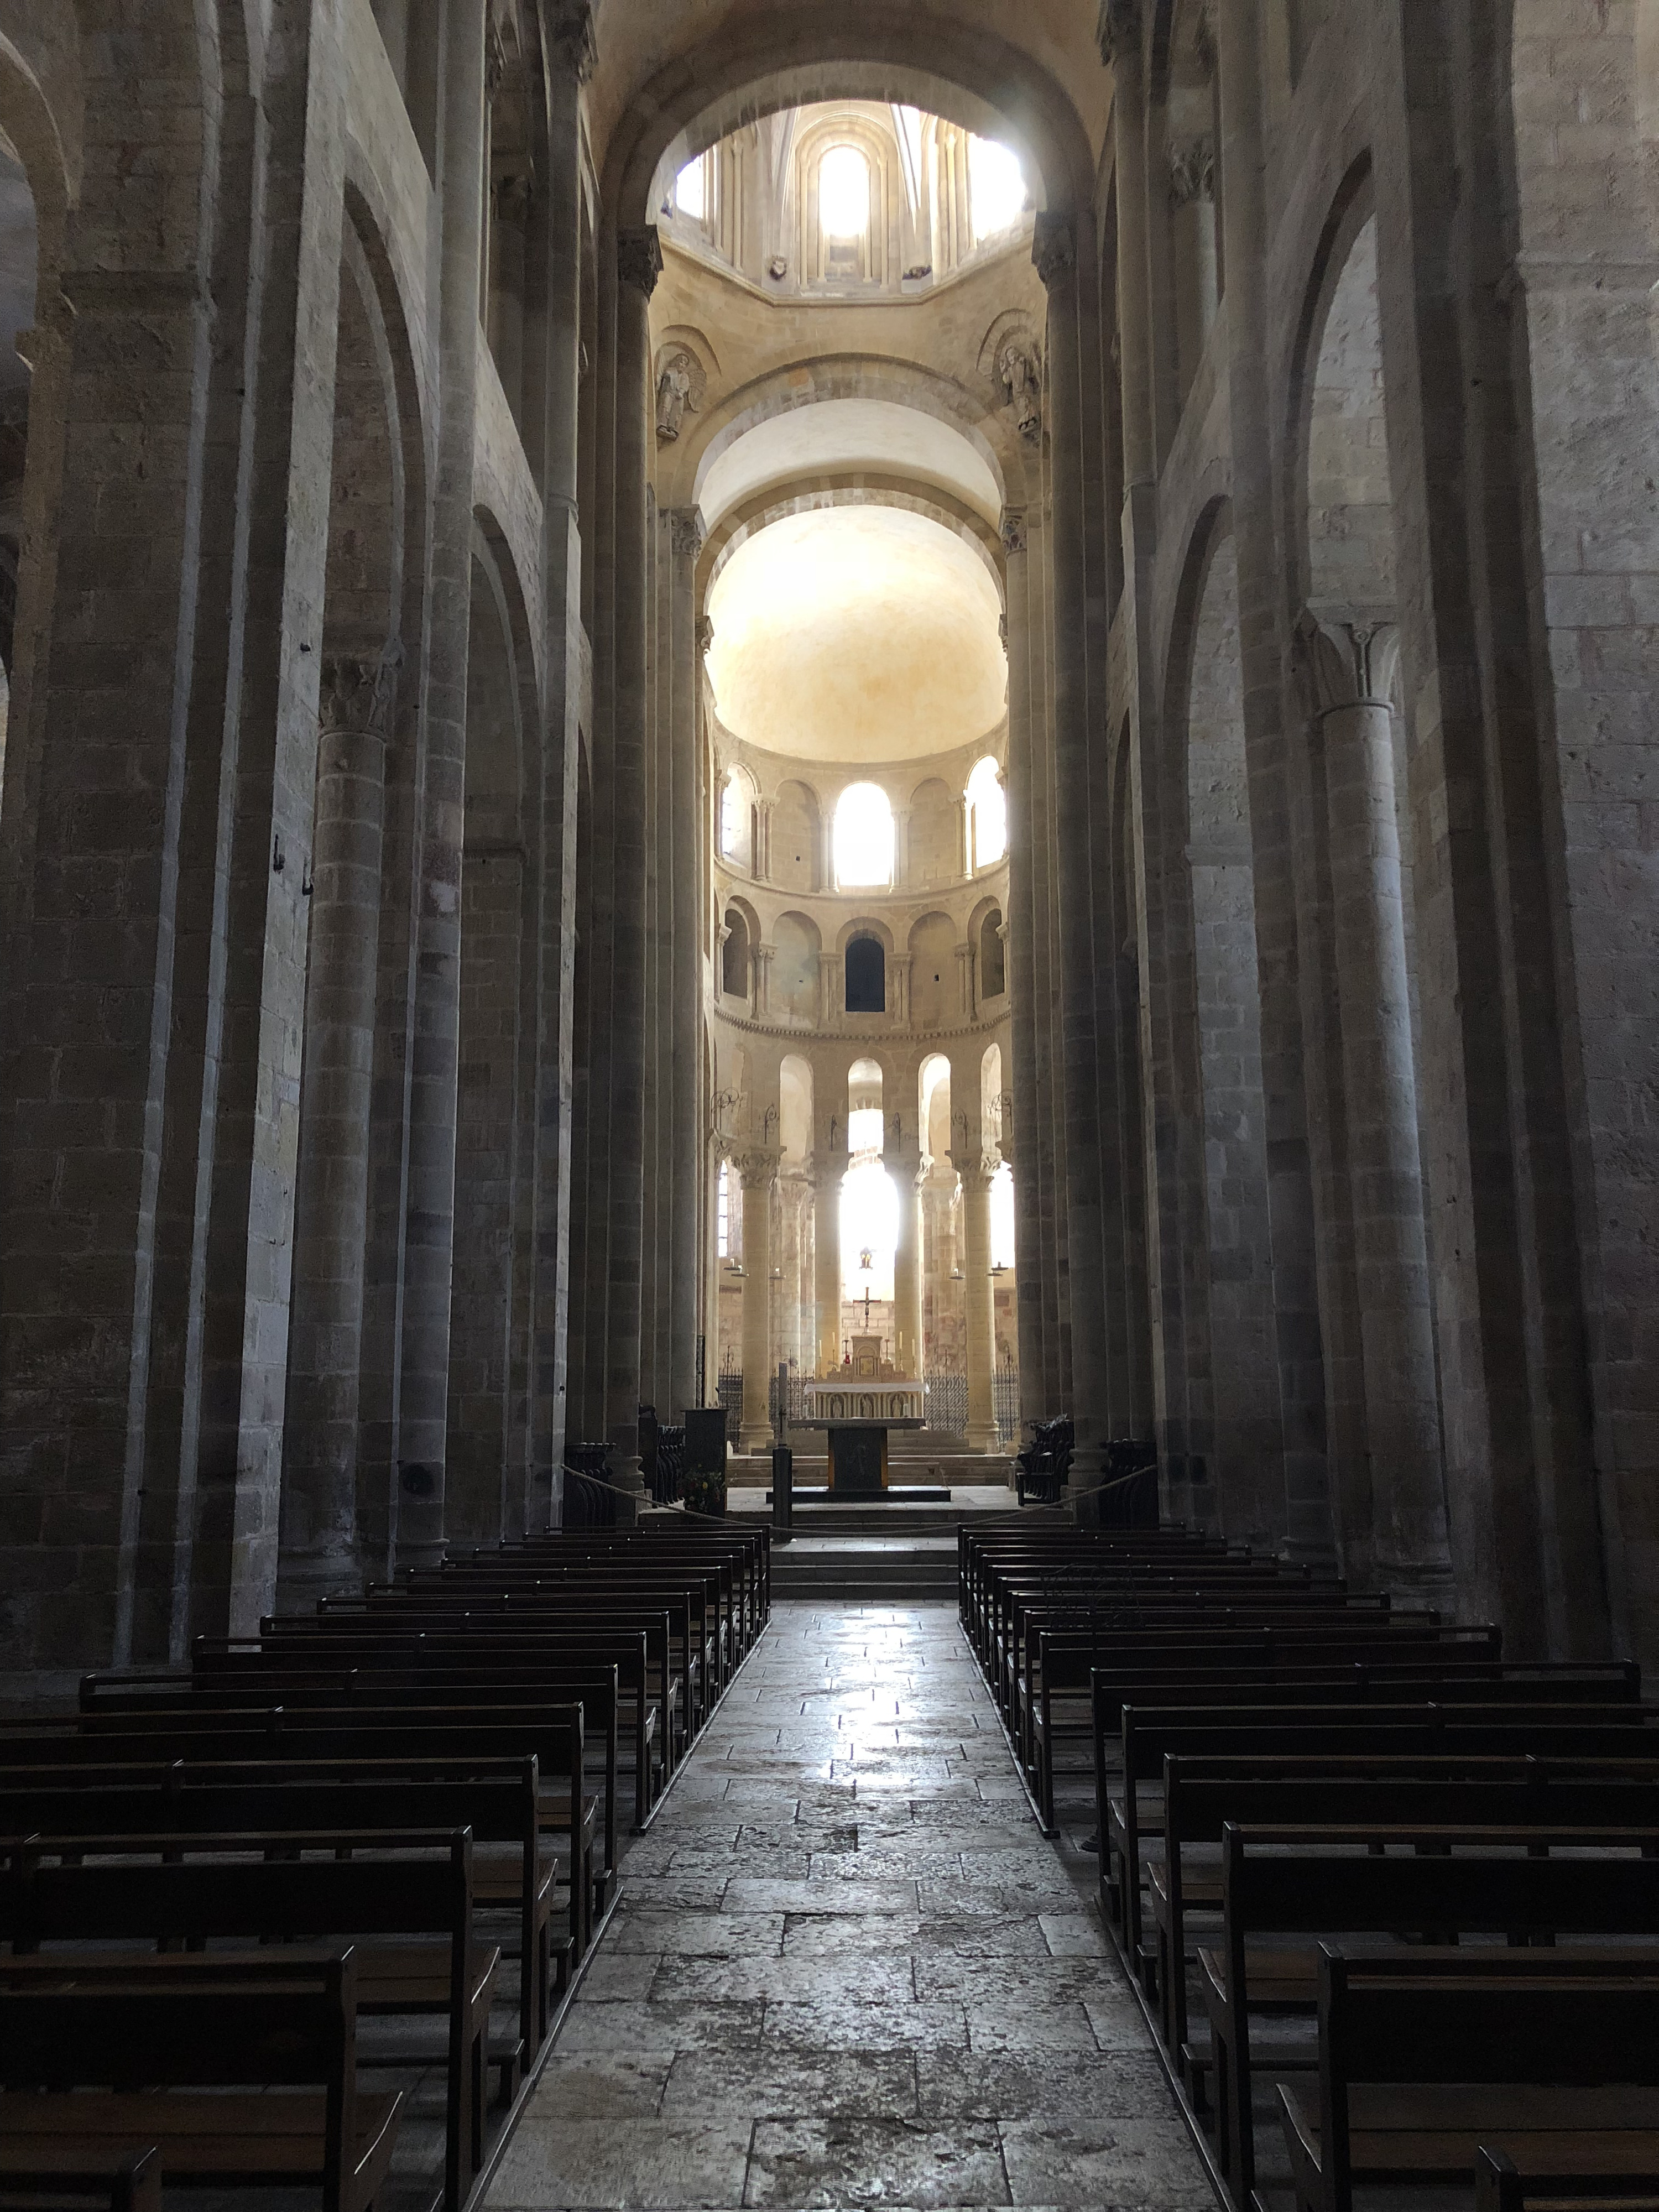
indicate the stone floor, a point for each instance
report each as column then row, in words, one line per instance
column 846, row 1969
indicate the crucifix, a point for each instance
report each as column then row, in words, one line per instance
column 867, row 1261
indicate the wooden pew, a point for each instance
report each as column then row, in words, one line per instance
column 1500, row 2186
column 282, row 2026
column 1302, row 1882
column 498, row 1801
column 1069, row 1679
column 1426, row 2056
column 194, row 1889
column 1249, row 1736
column 70, row 2178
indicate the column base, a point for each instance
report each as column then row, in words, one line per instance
column 303, row 1578
column 983, row 1437
column 755, row 1441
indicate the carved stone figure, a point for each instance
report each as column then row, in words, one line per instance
column 674, row 391
column 1022, row 379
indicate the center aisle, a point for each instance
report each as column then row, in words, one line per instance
column 848, row 1969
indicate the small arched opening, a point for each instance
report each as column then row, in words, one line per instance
column 993, row 957
column 866, row 977
column 735, row 956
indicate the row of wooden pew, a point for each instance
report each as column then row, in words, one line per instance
column 327, row 1886
column 1391, row 1900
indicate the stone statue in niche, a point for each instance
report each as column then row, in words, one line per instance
column 675, row 394
column 1022, row 379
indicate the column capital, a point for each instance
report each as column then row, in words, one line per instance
column 1054, row 248
column 1343, row 663
column 1117, row 32
column 758, row 1165
column 976, row 1168
column 357, row 689
column 1013, row 531
column 639, row 257
column 570, row 36
column 705, row 633
column 685, row 533
column 1192, row 172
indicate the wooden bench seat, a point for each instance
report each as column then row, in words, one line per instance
column 1500, row 2186
column 82, row 2041
column 1426, row 2056
column 66, row 2177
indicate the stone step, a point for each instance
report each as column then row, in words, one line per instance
column 951, row 1470
column 876, row 1568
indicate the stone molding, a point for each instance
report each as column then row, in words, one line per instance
column 639, row 257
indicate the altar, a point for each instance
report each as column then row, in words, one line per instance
column 857, row 1408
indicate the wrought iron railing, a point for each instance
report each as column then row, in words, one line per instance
column 1005, row 1398
column 945, row 1406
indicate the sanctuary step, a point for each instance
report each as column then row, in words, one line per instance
column 876, row 1569
column 953, row 1470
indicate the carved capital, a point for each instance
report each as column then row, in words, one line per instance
column 514, row 197
column 495, row 60
column 358, row 689
column 1192, row 172
column 757, row 1164
column 1118, row 30
column 1054, row 249
column 1342, row 664
column 976, row 1168
column 1013, row 529
column 570, row 35
column 639, row 257
column 685, row 533
column 705, row 633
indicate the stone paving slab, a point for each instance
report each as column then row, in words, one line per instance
column 847, row 1970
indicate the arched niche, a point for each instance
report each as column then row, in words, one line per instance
column 736, row 949
column 993, row 955
column 796, row 945
column 934, row 994
column 935, row 834
column 797, row 837
column 736, row 826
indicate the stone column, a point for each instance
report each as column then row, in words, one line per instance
column 429, row 1242
column 965, row 981
column 639, row 264
column 976, row 1169
column 764, row 956
column 511, row 198
column 787, row 1334
column 685, row 1137
column 318, row 1527
column 907, row 1265
column 827, row 1178
column 1346, row 671
column 571, row 58
column 830, row 970
column 759, row 1170
column 1021, row 929
column 1056, row 254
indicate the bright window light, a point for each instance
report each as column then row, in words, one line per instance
column 987, row 806
column 723, row 1213
column 731, row 819
column 996, row 187
column 866, row 1130
column 691, row 190
column 864, row 837
column 869, row 1223
column 844, row 192
column 1002, row 1217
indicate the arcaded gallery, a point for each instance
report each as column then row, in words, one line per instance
column 828, row 1105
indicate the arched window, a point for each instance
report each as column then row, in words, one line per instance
column 988, row 815
column 993, row 957
column 692, row 196
column 996, row 188
column 735, row 956
column 863, row 838
column 1002, row 1217
column 737, row 821
column 866, row 977
column 723, row 1213
column 844, row 193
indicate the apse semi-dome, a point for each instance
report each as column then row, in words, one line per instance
column 857, row 634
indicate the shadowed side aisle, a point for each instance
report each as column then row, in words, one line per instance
column 848, row 1969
